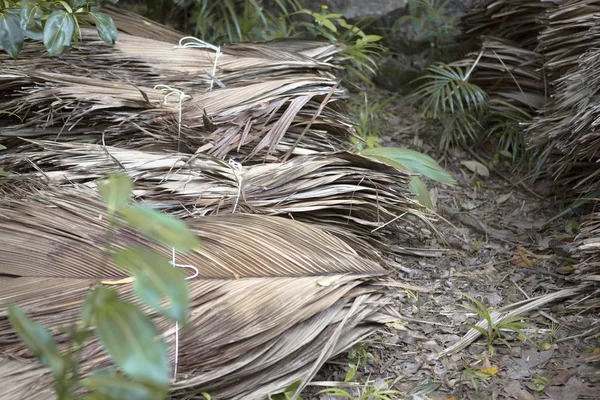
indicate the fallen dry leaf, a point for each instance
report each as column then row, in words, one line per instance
column 516, row 390
column 477, row 167
column 503, row 198
column 561, row 378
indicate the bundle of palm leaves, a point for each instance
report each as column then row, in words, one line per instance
column 265, row 100
column 356, row 198
column 509, row 72
column 268, row 305
column 568, row 131
column 515, row 20
column 587, row 247
column 564, row 38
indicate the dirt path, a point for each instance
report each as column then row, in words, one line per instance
column 500, row 252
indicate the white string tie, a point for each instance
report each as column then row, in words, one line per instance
column 194, row 42
column 237, row 170
column 182, row 96
column 196, row 272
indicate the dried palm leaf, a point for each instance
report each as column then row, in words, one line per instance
column 587, row 248
column 136, row 25
column 508, row 72
column 357, row 198
column 514, row 20
column 277, row 116
column 564, row 38
column 568, row 133
column 273, row 300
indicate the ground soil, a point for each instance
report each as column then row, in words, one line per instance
column 499, row 250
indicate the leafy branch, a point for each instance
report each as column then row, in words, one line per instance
column 125, row 332
column 57, row 23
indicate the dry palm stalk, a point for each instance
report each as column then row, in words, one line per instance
column 356, row 198
column 514, row 20
column 273, row 300
column 508, row 72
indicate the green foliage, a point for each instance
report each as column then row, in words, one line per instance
column 447, row 90
column 427, row 30
column 57, row 23
column 360, row 49
column 287, row 394
column 468, row 115
column 371, row 119
column 476, row 377
column 232, row 21
column 125, row 332
column 366, row 391
column 413, row 161
column 493, row 331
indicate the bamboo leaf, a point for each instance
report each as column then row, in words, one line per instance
column 414, row 161
column 118, row 387
column 161, row 227
column 37, row 339
column 115, row 190
column 156, row 280
column 417, row 186
column 131, row 340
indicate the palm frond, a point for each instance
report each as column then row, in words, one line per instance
column 515, row 20
column 273, row 300
column 346, row 194
column 447, row 89
column 508, row 72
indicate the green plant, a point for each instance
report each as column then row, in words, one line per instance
column 232, row 21
column 366, row 391
column 56, row 22
column 371, row 119
column 357, row 358
column 476, row 377
column 468, row 115
column 360, row 49
column 540, row 383
column 126, row 333
column 413, row 161
column 493, row 330
column 428, row 29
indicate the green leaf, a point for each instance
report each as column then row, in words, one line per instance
column 414, row 161
column 5, row 173
column 37, row 339
column 131, row 340
column 417, row 186
column 11, row 34
column 58, row 32
column 30, row 11
column 115, row 190
column 161, row 227
column 116, row 386
column 106, row 27
column 337, row 392
column 156, row 279
column 2, row 147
